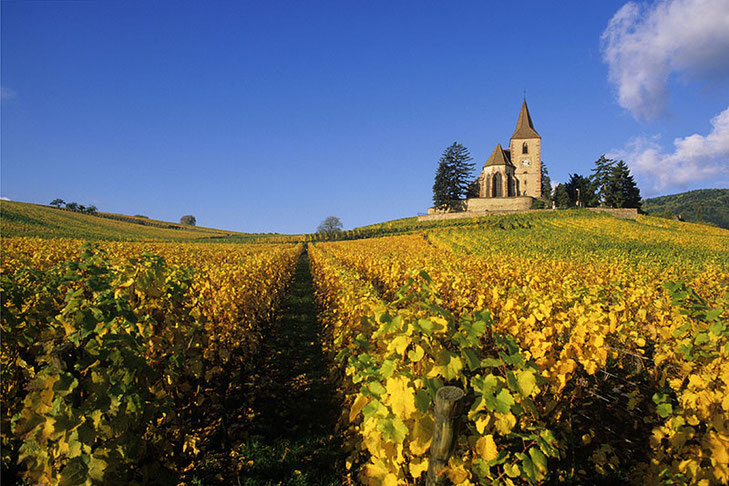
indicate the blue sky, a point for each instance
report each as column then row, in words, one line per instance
column 271, row 116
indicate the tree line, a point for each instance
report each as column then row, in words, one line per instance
column 609, row 185
column 74, row 206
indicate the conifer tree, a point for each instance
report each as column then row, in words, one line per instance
column 621, row 191
column 452, row 176
column 561, row 197
column 600, row 175
column 546, row 184
column 581, row 191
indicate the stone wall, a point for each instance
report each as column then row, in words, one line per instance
column 520, row 203
column 437, row 216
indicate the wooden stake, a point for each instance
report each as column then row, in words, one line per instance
column 448, row 401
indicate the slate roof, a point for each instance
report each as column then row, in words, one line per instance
column 524, row 126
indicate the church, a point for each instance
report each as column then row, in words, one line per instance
column 511, row 178
column 517, row 170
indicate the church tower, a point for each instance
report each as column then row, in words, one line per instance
column 526, row 155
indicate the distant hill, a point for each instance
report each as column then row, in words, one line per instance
column 34, row 220
column 703, row 205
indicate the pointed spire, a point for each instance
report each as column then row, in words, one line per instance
column 525, row 127
column 498, row 157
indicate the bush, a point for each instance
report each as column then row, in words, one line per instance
column 188, row 220
column 539, row 204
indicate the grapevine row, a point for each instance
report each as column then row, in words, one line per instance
column 615, row 343
column 107, row 355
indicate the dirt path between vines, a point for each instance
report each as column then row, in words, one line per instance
column 281, row 408
column 293, row 410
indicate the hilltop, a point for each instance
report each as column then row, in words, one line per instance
column 35, row 220
column 700, row 206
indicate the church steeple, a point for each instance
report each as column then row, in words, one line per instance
column 524, row 126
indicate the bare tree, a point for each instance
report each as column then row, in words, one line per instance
column 330, row 225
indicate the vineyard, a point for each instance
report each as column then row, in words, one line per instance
column 111, row 351
column 590, row 350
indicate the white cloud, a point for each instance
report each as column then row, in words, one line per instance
column 695, row 158
column 644, row 45
column 3, row 198
column 6, row 93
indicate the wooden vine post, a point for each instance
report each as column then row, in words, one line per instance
column 448, row 409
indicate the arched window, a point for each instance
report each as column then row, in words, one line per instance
column 511, row 187
column 524, row 148
column 496, row 190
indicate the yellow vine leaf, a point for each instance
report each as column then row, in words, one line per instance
column 526, row 381
column 457, row 474
column 401, row 397
column 719, row 446
column 504, row 422
column 449, row 365
column 357, row 407
column 422, row 436
column 418, row 467
column 482, row 422
column 390, row 480
column 486, row 448
column 399, row 344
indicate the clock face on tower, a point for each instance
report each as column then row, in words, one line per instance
column 525, row 163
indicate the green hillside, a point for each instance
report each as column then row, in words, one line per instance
column 25, row 219
column 703, row 205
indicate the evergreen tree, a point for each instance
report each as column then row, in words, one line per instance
column 441, row 186
column 561, row 198
column 600, row 176
column 473, row 189
column 581, row 190
column 546, row 184
column 621, row 191
column 452, row 177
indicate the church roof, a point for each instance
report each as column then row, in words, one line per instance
column 524, row 126
column 498, row 157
